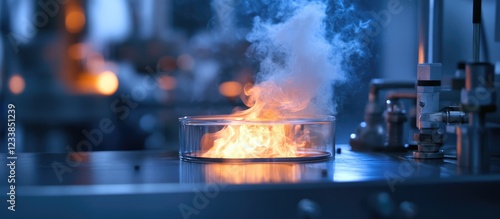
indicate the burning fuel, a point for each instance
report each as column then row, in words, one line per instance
column 299, row 64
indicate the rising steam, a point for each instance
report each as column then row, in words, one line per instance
column 298, row 67
column 300, row 60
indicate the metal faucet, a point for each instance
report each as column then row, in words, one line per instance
column 371, row 133
column 430, row 137
column 396, row 116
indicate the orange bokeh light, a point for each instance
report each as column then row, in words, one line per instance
column 107, row 83
column 167, row 82
column 75, row 20
column 230, row 89
column 16, row 84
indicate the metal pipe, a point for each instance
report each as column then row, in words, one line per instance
column 392, row 96
column 370, row 135
column 476, row 31
column 497, row 25
column 378, row 84
column 449, row 117
column 478, row 147
column 454, row 117
column 478, row 98
column 476, row 35
column 429, row 24
column 472, row 152
column 423, row 31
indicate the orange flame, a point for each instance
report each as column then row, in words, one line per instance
column 262, row 136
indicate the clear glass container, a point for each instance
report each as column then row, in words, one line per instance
column 233, row 139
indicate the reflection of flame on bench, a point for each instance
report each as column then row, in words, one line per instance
column 252, row 173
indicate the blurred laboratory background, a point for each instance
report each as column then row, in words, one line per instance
column 76, row 69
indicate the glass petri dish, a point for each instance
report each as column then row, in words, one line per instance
column 227, row 138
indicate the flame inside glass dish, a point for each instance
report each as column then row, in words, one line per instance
column 229, row 138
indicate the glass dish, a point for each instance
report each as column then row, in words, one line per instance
column 228, row 138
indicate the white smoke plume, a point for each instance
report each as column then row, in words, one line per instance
column 300, row 59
